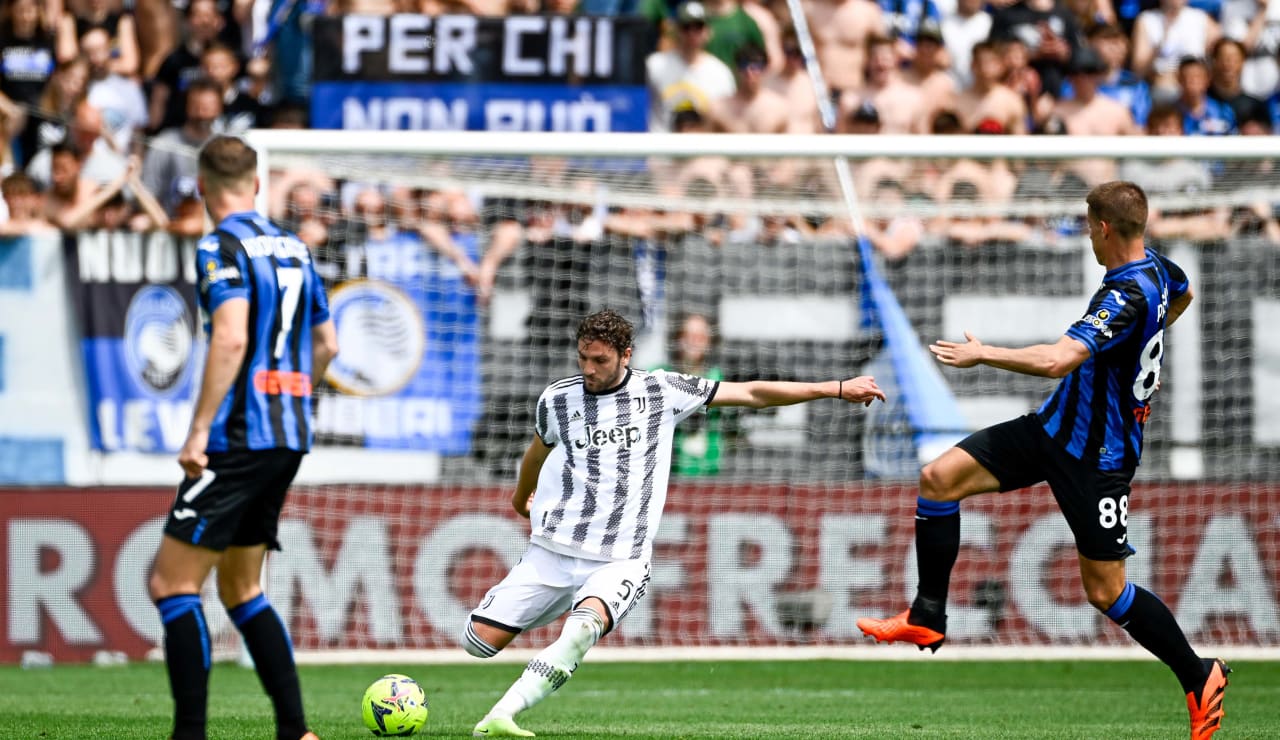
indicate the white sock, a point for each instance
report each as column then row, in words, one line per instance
column 551, row 668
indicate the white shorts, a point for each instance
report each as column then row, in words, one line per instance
column 546, row 584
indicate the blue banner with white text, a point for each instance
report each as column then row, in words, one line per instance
column 517, row 73
column 407, row 375
column 135, row 300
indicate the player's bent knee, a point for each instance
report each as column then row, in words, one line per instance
column 476, row 645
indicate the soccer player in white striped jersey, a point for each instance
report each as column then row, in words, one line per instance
column 596, row 471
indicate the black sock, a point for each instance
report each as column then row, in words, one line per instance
column 937, row 546
column 186, row 655
column 268, row 643
column 1149, row 622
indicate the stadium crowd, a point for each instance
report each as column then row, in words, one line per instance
column 103, row 104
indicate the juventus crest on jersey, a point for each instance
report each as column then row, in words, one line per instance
column 602, row 488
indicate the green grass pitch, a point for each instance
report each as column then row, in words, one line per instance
column 810, row 699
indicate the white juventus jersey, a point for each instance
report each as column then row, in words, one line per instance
column 603, row 486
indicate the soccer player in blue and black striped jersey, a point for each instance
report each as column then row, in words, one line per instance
column 1085, row 441
column 269, row 333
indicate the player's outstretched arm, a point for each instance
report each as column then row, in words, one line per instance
column 527, row 483
column 759, row 394
column 1045, row 360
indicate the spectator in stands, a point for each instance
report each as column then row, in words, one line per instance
column 1180, row 180
column 1024, row 80
column 182, row 65
column 893, row 232
column 240, row 111
column 796, row 88
column 27, row 62
column 1089, row 14
column 25, row 204
column 1256, row 24
column 46, row 124
column 83, row 16
column 902, row 106
column 306, row 216
column 1225, row 85
column 753, row 108
column 989, row 98
column 170, row 166
column 124, row 108
column 1050, row 33
column 930, row 71
column 686, row 74
column 1201, row 114
column 1162, row 37
column 841, row 29
column 1088, row 113
column 73, row 199
column 1118, row 83
column 100, row 161
column 770, row 29
column 699, row 442
column 865, row 120
column 961, row 31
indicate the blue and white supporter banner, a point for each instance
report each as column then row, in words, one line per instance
column 407, row 375
column 134, row 298
column 518, row 73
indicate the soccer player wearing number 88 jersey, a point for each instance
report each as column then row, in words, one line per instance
column 269, row 335
column 1085, row 441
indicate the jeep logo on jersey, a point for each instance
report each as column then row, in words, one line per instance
column 382, row 338
column 158, row 333
column 595, row 436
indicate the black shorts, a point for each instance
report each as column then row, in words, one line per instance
column 236, row 502
column 1019, row 453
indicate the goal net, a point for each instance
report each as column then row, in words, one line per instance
column 459, row 264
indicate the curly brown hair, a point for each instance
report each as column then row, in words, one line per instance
column 607, row 326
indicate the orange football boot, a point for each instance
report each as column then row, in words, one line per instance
column 1205, row 705
column 897, row 629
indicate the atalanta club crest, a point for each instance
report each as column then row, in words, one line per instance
column 382, row 337
column 158, row 340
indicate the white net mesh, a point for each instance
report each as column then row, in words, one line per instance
column 785, row 525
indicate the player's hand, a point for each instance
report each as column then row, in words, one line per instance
column 192, row 458
column 958, row 354
column 862, row 389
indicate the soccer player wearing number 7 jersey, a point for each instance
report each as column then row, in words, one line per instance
column 1085, row 441
column 270, row 335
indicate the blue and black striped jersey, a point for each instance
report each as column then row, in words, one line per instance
column 269, row 405
column 1098, row 411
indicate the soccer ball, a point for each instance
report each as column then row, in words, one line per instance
column 394, row 705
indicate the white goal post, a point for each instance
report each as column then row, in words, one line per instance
column 801, row 523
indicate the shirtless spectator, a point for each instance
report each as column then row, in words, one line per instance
column 990, row 98
column 26, row 214
column 686, row 75
column 929, row 70
column 754, row 108
column 1089, row 113
column 1164, row 35
column 961, row 31
column 841, row 30
column 1024, row 79
column 796, row 88
column 893, row 232
column 902, row 105
column 72, row 199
